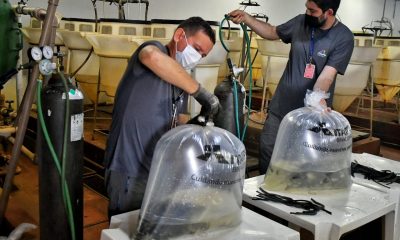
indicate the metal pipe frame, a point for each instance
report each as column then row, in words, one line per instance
column 122, row 2
column 45, row 39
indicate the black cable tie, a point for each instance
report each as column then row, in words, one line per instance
column 383, row 178
column 310, row 212
column 311, row 207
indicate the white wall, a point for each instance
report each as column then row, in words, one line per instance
column 354, row 13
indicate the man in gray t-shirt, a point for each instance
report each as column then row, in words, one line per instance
column 151, row 92
column 321, row 47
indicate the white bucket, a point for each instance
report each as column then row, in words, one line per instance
column 349, row 86
column 78, row 50
column 387, row 71
column 114, row 52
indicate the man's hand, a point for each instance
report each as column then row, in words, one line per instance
column 238, row 16
column 208, row 101
column 324, row 105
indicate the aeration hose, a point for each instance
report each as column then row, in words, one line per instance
column 236, row 107
column 91, row 49
column 250, row 64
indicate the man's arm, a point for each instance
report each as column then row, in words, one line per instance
column 170, row 71
column 263, row 29
column 325, row 80
column 167, row 69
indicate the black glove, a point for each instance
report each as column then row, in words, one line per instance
column 208, row 101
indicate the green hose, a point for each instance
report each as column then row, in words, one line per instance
column 244, row 27
column 64, row 184
column 220, row 33
column 64, row 154
column 44, row 128
column 236, row 108
column 248, row 49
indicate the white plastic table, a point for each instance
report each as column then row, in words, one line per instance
column 350, row 210
column 380, row 163
column 253, row 227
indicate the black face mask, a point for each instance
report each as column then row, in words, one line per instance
column 314, row 21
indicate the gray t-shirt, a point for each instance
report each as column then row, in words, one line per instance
column 142, row 114
column 332, row 47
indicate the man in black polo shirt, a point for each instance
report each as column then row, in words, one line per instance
column 321, row 47
column 152, row 91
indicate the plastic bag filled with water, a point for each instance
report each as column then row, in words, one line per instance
column 312, row 150
column 195, row 183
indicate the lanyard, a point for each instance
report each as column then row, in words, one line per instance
column 175, row 101
column 312, row 42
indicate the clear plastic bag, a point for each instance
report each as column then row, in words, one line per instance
column 195, row 183
column 312, row 150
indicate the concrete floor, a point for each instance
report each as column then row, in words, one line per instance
column 23, row 205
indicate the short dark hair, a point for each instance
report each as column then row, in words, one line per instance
column 326, row 4
column 194, row 24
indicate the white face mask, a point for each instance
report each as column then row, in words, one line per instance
column 189, row 57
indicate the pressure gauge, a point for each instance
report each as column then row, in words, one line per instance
column 46, row 67
column 47, row 52
column 35, row 53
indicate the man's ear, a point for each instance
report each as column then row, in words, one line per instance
column 179, row 34
column 330, row 11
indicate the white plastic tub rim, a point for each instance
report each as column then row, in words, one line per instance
column 362, row 39
column 385, row 41
column 74, row 40
column 273, row 48
column 165, row 28
column 217, row 55
column 79, row 24
column 112, row 46
column 125, row 27
column 32, row 35
column 364, row 55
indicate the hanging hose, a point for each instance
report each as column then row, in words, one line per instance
column 64, row 156
column 83, row 63
column 244, row 27
column 235, row 96
column 91, row 50
column 226, row 18
column 64, row 184
column 250, row 65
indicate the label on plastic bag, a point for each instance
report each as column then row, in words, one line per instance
column 213, row 156
column 210, row 181
column 339, row 134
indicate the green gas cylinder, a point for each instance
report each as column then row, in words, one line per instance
column 10, row 38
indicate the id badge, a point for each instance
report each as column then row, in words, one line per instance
column 309, row 71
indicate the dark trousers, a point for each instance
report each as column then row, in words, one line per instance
column 267, row 141
column 125, row 192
